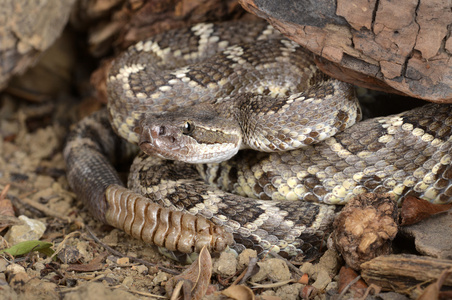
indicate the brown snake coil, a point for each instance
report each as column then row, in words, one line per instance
column 402, row 154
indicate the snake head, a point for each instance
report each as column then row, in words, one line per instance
column 193, row 135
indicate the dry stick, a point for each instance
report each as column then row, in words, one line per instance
column 117, row 253
column 341, row 295
column 4, row 192
column 44, row 209
column 289, row 264
column 133, row 291
column 247, row 273
column 271, row 285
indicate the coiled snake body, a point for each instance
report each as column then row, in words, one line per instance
column 265, row 94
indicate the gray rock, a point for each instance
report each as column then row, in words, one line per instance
column 432, row 236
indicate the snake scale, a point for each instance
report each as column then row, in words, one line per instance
column 299, row 119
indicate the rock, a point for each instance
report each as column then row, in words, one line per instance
column 330, row 262
column 274, row 269
column 289, row 291
column 15, row 269
column 226, row 264
column 244, row 258
column 431, row 235
column 31, row 229
column 161, row 277
column 141, row 269
column 28, row 29
column 37, row 289
column 3, row 264
column 309, row 269
column 128, row 281
column 323, row 279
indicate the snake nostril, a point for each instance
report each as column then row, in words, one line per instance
column 162, row 130
column 172, row 139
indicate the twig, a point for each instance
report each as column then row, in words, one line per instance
column 289, row 264
column 347, row 287
column 248, row 272
column 44, row 209
column 4, row 191
column 271, row 285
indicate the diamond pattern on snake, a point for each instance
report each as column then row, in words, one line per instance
column 244, row 143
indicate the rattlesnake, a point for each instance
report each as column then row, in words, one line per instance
column 257, row 77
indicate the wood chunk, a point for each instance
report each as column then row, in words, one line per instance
column 365, row 228
column 403, row 272
column 395, row 46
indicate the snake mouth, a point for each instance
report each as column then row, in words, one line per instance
column 161, row 141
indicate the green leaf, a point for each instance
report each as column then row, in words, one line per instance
column 28, row 246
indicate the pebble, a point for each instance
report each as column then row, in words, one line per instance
column 15, row 269
column 31, row 229
column 330, row 261
column 274, row 269
column 161, row 277
column 128, row 281
column 323, row 272
column 323, row 279
column 3, row 264
column 244, row 258
column 310, row 269
column 141, row 269
column 289, row 291
column 226, row 264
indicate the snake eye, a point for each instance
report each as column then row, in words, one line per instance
column 188, row 127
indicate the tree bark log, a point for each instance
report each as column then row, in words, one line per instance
column 401, row 46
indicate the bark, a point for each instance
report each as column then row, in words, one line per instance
column 401, row 46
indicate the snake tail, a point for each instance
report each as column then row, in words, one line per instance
column 175, row 230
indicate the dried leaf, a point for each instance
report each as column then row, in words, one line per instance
column 304, row 279
column 239, row 292
column 85, row 267
column 346, row 276
column 94, row 265
column 308, row 292
column 198, row 274
column 433, row 290
column 28, row 246
column 415, row 210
